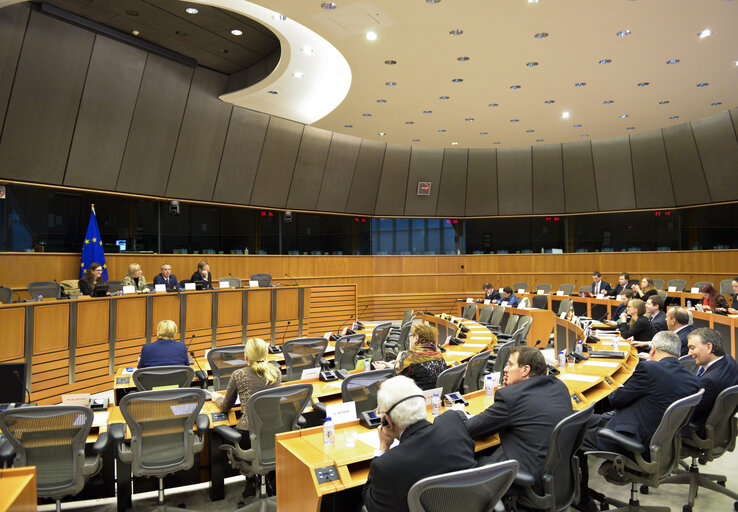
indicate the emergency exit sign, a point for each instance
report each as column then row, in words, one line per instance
column 424, row 188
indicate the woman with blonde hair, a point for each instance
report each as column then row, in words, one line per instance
column 165, row 351
column 645, row 290
column 135, row 278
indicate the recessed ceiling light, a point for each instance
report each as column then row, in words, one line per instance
column 409, row 122
column 443, row 97
column 279, row 17
column 623, row 33
column 716, row 103
column 664, row 102
column 427, row 111
column 463, row 58
column 381, row 134
column 390, row 84
column 515, row 87
column 705, row 33
column 608, row 102
column 673, row 117
column 454, row 143
column 529, row 131
column 381, row 101
column 298, row 74
column 548, row 102
column 135, row 32
column 366, row 115
column 441, row 131
column 631, row 128
column 328, row 5
column 307, row 50
column 605, row 61
column 390, row 62
column 703, row 84
column 540, row 35
column 469, row 119
column 643, row 84
column 531, row 64
column 483, row 133
column 580, row 84
column 577, row 126
column 191, row 10
column 672, row 61
column 456, row 32
column 416, row 140
column 623, row 116
column 348, row 126
column 457, row 80
column 273, row 92
column 371, row 35
column 565, row 115
column 514, row 120
column 494, row 105
column 236, row 32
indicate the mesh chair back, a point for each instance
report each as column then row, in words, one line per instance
column 519, row 337
column 518, row 286
column 502, row 356
column 223, row 362
column 379, row 336
column 6, row 295
column 585, row 289
column 485, row 313
column 302, row 354
column 161, row 424
column 665, row 442
column 512, row 323
column 265, row 280
column 688, row 363
column 114, row 286
column 270, row 412
column 700, row 284
column 540, row 302
column 545, row 287
column 403, row 341
column 450, row 379
column 721, row 422
column 233, row 282
column 568, row 289
column 46, row 288
column 474, row 370
column 146, row 379
column 565, row 306
column 726, row 287
column 469, row 312
column 407, row 316
column 658, row 284
column 497, row 314
column 471, row 489
column 52, row 438
column 662, row 294
column 362, row 388
column 346, row 349
column 678, row 283
column 524, row 323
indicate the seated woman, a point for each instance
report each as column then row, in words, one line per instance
column 645, row 290
column 164, row 351
column 92, row 278
column 713, row 301
column 639, row 327
column 422, row 362
column 135, row 278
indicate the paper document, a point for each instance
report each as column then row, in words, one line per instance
column 580, row 378
column 100, row 418
column 334, row 383
column 235, row 362
column 601, row 364
column 372, row 439
column 456, row 353
column 475, row 345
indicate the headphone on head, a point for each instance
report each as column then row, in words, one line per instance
column 384, row 415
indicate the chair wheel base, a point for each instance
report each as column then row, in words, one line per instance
column 686, row 508
column 735, row 506
column 644, row 489
column 721, row 483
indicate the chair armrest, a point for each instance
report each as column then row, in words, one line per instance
column 302, row 421
column 623, row 440
column 200, row 374
column 319, row 407
column 103, row 440
column 524, row 479
column 7, row 452
column 230, row 434
column 117, row 432
column 202, row 423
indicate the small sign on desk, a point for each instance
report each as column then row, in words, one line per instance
column 521, row 291
column 342, row 412
column 310, row 373
column 559, row 293
column 695, row 290
column 469, row 300
column 672, row 288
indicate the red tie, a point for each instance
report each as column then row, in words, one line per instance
column 597, row 288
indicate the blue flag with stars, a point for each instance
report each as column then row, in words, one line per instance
column 92, row 248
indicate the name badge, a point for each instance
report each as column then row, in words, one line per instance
column 560, row 293
column 310, row 373
column 129, row 289
column 190, row 286
column 160, row 288
column 225, row 284
column 253, row 284
column 341, row 413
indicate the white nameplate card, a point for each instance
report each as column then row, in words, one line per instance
column 428, row 394
column 225, row 284
column 190, row 286
column 695, row 290
column 328, row 335
column 560, row 293
column 486, row 302
column 160, row 288
column 600, row 295
column 76, row 399
column 500, row 290
column 341, row 413
column 503, row 303
column 469, row 300
column 563, row 315
column 129, row 289
column 521, row 291
column 619, row 297
column 311, row 373
column 539, row 292
column 672, row 288
column 253, row 284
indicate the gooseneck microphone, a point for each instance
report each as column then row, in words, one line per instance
column 17, row 376
column 200, row 373
column 295, row 280
column 337, row 334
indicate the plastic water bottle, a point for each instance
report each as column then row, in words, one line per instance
column 562, row 359
column 489, row 387
column 435, row 405
column 329, row 432
column 579, row 349
column 689, row 304
column 367, row 365
column 40, row 298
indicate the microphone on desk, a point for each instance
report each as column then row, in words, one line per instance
column 274, row 349
column 295, row 280
column 17, row 376
column 336, row 335
column 359, row 325
column 200, row 373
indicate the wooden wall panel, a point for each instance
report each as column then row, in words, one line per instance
column 515, row 180
column 718, row 148
column 165, row 307
column 452, row 185
column 129, row 308
column 277, row 163
column 363, row 197
column 288, row 304
column 339, row 173
column 241, row 154
column 155, row 127
column 50, row 328
column 580, row 190
column 199, row 311
column 425, row 165
column 393, row 181
column 259, row 307
column 93, row 320
column 613, row 173
column 309, row 168
column 230, row 309
column 201, row 138
column 651, row 171
column 12, row 335
column 481, row 183
column 548, row 179
column 44, row 102
column 685, row 168
column 105, row 115
column 13, row 19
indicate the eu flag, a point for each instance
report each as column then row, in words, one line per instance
column 92, row 248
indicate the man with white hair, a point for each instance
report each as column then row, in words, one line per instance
column 425, row 448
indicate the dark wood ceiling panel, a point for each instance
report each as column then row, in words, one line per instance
column 452, row 186
column 515, row 180
column 241, row 154
column 363, row 196
column 718, row 148
column 309, row 169
column 43, row 107
column 548, row 179
column 105, row 114
column 651, row 171
column 685, row 168
column 13, row 21
column 339, row 173
column 425, row 165
column 580, row 191
column 481, row 184
column 613, row 173
column 277, row 163
column 393, row 182
column 157, row 120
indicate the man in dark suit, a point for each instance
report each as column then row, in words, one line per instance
column 626, row 295
column 202, row 275
column 490, row 293
column 425, row 448
column 167, row 278
column 624, row 282
column 677, row 320
column 655, row 310
column 733, row 309
column 525, row 411
column 717, row 370
column 598, row 285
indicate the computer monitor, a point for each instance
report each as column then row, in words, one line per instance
column 12, row 382
column 101, row 290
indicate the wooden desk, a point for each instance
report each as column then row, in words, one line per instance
column 18, row 489
column 540, row 327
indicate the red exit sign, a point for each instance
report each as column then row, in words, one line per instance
column 424, row 188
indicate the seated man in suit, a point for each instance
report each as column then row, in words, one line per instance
column 733, row 309
column 626, row 295
column 525, row 411
column 655, row 310
column 425, row 448
column 167, row 278
column 509, row 297
column 164, row 351
column 490, row 293
column 624, row 283
column 202, row 275
column 677, row 321
column 640, row 403
column 598, row 285
column 717, row 370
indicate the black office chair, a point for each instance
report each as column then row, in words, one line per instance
column 407, row 316
column 662, row 452
column 49, row 289
column 568, row 289
column 53, row 438
column 659, row 284
column 362, row 388
column 223, row 362
column 520, row 286
column 270, row 412
column 472, row 490
column 678, row 283
column 376, row 344
column 561, row 473
column 485, row 314
column 523, row 323
column 726, row 287
column 6, row 295
column 469, row 312
column 450, row 379
column 302, row 354
column 540, row 302
column 399, row 344
column 146, row 379
column 495, row 321
column 347, row 348
column 500, row 358
column 233, row 282
column 114, row 286
column 544, row 287
column 585, row 289
column 510, row 326
column 721, row 427
column 265, row 280
column 700, row 284
column 474, row 371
